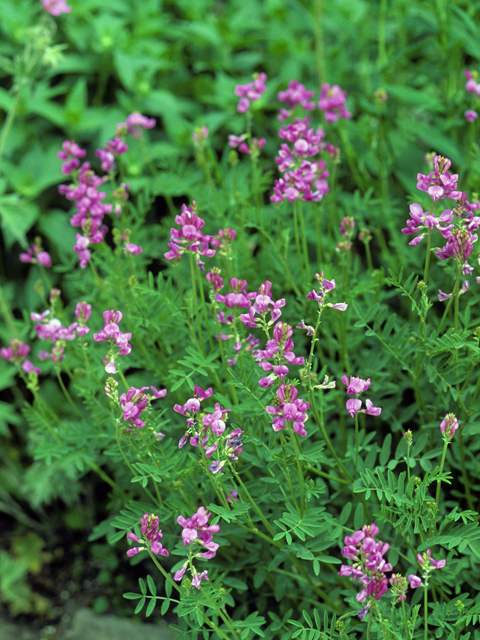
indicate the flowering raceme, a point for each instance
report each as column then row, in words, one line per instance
column 190, row 238
column 355, row 386
column 111, row 333
column 197, row 533
column 56, row 7
column 333, row 103
column 35, row 255
column 250, row 92
column 303, row 177
column 150, row 537
column 136, row 401
column 296, row 95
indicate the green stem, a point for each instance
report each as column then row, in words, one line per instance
column 195, row 302
column 425, row 613
column 356, row 444
column 297, row 241
column 304, row 241
column 427, row 257
column 268, row 526
column 66, row 394
column 220, row 612
column 454, row 295
column 9, row 121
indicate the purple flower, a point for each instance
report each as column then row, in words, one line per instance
column 355, row 385
column 56, row 7
column 135, row 125
column 471, row 115
column 415, row 581
column 333, row 103
column 16, row 352
column 35, row 255
column 449, row 425
column 189, row 238
column 150, row 537
column 28, row 367
column 250, row 92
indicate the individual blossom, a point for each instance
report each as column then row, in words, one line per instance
column 471, row 115
column 250, row 92
column 449, row 425
column 333, row 103
column 110, row 151
column 36, row 255
column 189, row 409
column 150, row 537
column 56, row 7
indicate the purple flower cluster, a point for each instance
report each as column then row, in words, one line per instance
column 296, row 95
column 16, row 352
column 134, row 126
column 321, row 295
column 111, row 333
column 90, row 210
column 369, row 565
column 303, row 177
column 239, row 141
column 280, row 350
column 53, row 330
column 250, row 92
column 35, row 255
column 197, row 532
column 236, row 300
column 473, row 87
column 333, row 103
column 264, row 304
column 461, row 223
column 290, row 411
column 356, row 386
column 56, row 7
column 136, row 401
column 189, row 238
column 449, row 425
column 150, row 537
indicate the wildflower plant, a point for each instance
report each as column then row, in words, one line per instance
column 282, row 412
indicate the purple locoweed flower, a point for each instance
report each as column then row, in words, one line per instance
column 136, row 401
column 471, row 115
column 449, row 425
column 250, row 92
column 189, row 238
column 35, row 255
column 150, row 537
column 355, row 385
column 333, row 103
column 289, row 410
column 135, row 125
column 56, row 7
column 296, row 95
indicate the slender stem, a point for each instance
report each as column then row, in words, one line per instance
column 9, row 121
column 427, row 257
column 287, row 472
column 304, row 241
column 222, row 615
column 356, row 444
column 195, row 302
column 268, row 526
column 450, row 300
column 425, row 613
column 297, row 241
column 327, row 475
column 66, row 394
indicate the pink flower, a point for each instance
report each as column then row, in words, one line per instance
column 150, row 537
column 471, row 115
column 16, row 352
column 56, row 7
column 133, row 249
column 35, row 255
column 449, row 425
column 415, row 581
column 355, row 385
column 28, row 367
